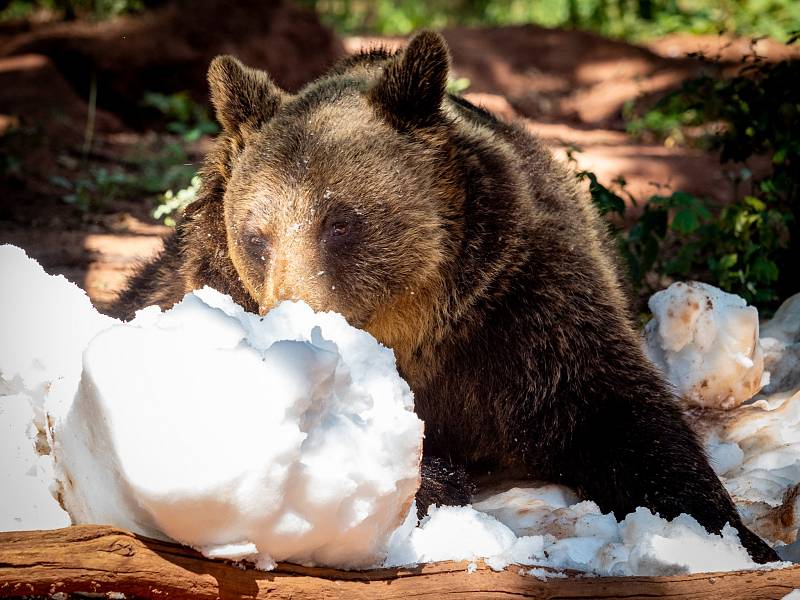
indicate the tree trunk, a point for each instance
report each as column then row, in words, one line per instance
column 101, row 559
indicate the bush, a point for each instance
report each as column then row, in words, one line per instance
column 629, row 19
column 737, row 247
column 748, row 245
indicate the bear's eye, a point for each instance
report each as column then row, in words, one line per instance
column 340, row 228
column 257, row 246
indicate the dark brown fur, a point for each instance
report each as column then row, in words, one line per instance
column 459, row 242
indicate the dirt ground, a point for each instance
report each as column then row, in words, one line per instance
column 567, row 87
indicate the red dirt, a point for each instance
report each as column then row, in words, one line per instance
column 567, row 87
column 168, row 49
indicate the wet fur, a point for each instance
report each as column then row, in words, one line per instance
column 497, row 287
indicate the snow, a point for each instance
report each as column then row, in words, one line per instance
column 755, row 450
column 25, row 477
column 567, row 535
column 706, row 343
column 50, row 321
column 289, row 446
column 292, row 437
column 780, row 339
column 544, row 574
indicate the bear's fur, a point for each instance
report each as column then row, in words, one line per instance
column 459, row 242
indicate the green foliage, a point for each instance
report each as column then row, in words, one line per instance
column 70, row 9
column 736, row 247
column 166, row 169
column 94, row 189
column 171, row 170
column 669, row 121
column 750, row 246
column 458, row 86
column 184, row 116
column 629, row 19
column 161, row 164
column 175, row 202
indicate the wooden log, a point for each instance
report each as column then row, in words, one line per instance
column 102, row 559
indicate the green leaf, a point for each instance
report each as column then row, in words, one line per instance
column 685, row 221
column 61, row 182
column 764, row 269
column 727, row 261
column 755, row 203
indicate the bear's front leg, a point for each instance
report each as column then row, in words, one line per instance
column 627, row 452
column 443, row 483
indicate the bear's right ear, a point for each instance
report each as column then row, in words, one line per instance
column 413, row 85
column 244, row 98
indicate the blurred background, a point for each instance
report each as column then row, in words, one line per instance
column 681, row 117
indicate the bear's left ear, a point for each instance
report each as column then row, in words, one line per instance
column 412, row 86
column 244, row 98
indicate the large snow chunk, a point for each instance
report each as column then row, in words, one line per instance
column 706, row 342
column 45, row 323
column 288, row 437
column 26, row 501
column 780, row 339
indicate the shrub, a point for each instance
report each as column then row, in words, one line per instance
column 750, row 245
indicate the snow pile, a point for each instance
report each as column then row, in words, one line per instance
column 45, row 323
column 291, row 437
column 245, row 437
column 706, row 342
column 544, row 527
column 780, row 339
column 756, row 452
column 702, row 338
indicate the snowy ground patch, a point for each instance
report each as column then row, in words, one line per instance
column 707, row 343
column 548, row 527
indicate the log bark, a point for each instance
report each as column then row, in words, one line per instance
column 102, row 559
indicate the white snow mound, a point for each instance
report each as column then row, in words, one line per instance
column 45, row 323
column 706, row 342
column 245, row 437
column 546, row 527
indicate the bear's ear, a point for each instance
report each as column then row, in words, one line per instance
column 244, row 98
column 411, row 88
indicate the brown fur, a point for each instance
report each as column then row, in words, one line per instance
column 459, row 242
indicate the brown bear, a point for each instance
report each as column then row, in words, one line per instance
column 459, row 242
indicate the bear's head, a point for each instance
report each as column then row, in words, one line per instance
column 345, row 195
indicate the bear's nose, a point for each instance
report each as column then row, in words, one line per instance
column 280, row 284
